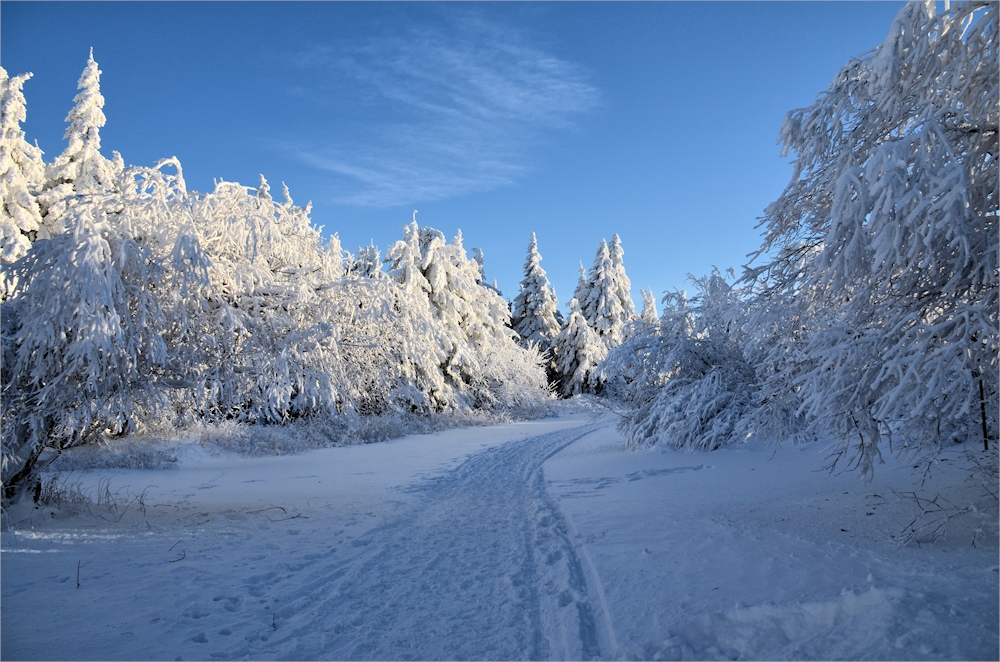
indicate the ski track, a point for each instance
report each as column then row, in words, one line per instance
column 482, row 565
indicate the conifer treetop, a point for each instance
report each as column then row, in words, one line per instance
column 87, row 115
column 533, row 310
column 21, row 172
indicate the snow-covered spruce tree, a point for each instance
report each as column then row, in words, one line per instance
column 480, row 259
column 367, row 262
column 608, row 305
column 888, row 235
column 623, row 286
column 81, row 171
column 687, row 383
column 533, row 312
column 483, row 365
column 578, row 351
column 22, row 172
column 582, row 290
column 649, row 315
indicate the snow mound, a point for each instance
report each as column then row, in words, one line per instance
column 771, row 631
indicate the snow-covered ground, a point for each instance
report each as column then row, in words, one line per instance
column 541, row 539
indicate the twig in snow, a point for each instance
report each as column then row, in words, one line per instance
column 254, row 512
column 179, row 558
column 79, row 564
column 282, row 519
column 934, row 517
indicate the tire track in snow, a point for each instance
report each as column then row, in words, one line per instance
column 482, row 565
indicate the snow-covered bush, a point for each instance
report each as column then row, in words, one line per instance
column 888, row 236
column 686, row 382
column 270, row 276
column 367, row 262
column 392, row 346
column 82, row 339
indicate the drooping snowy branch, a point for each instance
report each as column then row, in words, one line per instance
column 887, row 237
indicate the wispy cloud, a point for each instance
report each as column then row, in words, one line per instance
column 456, row 108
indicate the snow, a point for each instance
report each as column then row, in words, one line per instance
column 762, row 555
column 540, row 539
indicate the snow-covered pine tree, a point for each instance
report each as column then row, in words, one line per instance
column 582, row 290
column 623, row 288
column 81, row 170
column 578, row 351
column 484, row 365
column 480, row 259
column 608, row 306
column 533, row 313
column 649, row 315
column 367, row 263
column 888, row 235
column 22, row 172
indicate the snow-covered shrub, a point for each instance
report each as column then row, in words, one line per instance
column 269, row 302
column 393, row 347
column 888, row 236
column 367, row 262
column 82, row 339
column 128, row 312
column 686, row 382
column 637, row 370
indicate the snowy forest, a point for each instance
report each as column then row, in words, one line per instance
column 869, row 313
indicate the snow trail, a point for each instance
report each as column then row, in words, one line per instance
column 480, row 566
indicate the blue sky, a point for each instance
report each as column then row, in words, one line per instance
column 656, row 121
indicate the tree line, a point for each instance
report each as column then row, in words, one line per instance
column 870, row 311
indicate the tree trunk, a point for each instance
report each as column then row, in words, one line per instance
column 982, row 411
